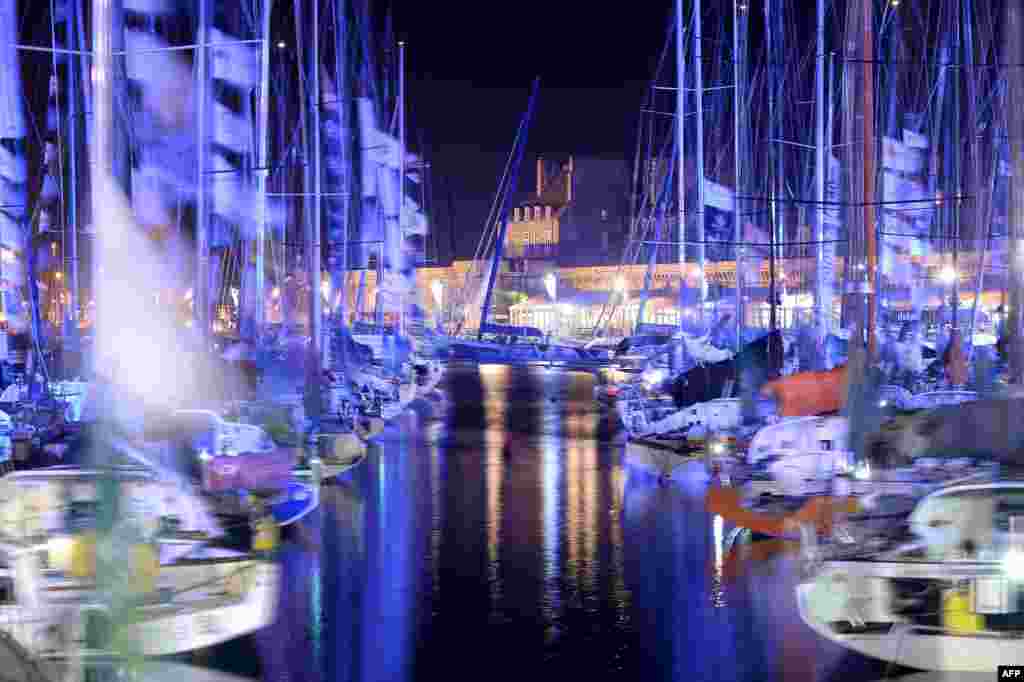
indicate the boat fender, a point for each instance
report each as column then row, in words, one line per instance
column 83, row 555
column 265, row 534
column 956, row 612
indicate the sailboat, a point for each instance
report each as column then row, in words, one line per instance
column 687, row 401
column 63, row 525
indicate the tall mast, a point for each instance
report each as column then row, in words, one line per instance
column 201, row 291
column 312, row 180
column 870, row 228
column 339, row 175
column 740, row 127
column 401, row 167
column 262, row 170
column 979, row 216
column 313, row 223
column 954, row 175
column 102, row 148
column 773, row 29
column 1013, row 56
column 499, row 245
column 822, row 298
column 74, row 128
column 698, row 84
column 859, row 99
column 680, row 150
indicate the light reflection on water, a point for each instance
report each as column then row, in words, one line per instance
column 510, row 541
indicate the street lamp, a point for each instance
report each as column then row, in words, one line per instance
column 948, row 275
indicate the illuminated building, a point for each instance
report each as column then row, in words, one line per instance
column 575, row 223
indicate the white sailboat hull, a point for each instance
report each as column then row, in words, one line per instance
column 919, row 647
column 200, row 620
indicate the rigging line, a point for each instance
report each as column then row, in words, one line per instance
column 690, row 242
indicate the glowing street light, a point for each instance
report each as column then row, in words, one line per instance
column 551, row 285
column 437, row 289
column 948, row 275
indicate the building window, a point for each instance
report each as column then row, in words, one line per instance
column 604, row 214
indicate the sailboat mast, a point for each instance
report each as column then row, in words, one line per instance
column 680, row 150
column 954, row 176
column 1013, row 56
column 201, row 291
column 741, row 125
column 870, row 228
column 861, row 261
column 312, row 240
column 773, row 29
column 401, row 168
column 499, row 244
column 102, row 148
column 698, row 84
column 74, row 124
column 262, row 170
column 822, row 299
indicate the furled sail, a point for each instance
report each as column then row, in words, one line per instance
column 384, row 192
column 167, row 152
column 908, row 214
column 337, row 181
column 13, row 175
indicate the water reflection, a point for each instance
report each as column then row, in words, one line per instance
column 509, row 541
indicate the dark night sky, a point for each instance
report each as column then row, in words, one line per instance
column 470, row 66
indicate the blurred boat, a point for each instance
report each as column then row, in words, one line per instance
column 183, row 591
column 230, row 463
column 936, row 590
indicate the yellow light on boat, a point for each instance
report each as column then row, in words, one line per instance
column 265, row 537
column 58, row 550
column 956, row 613
column 75, row 555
